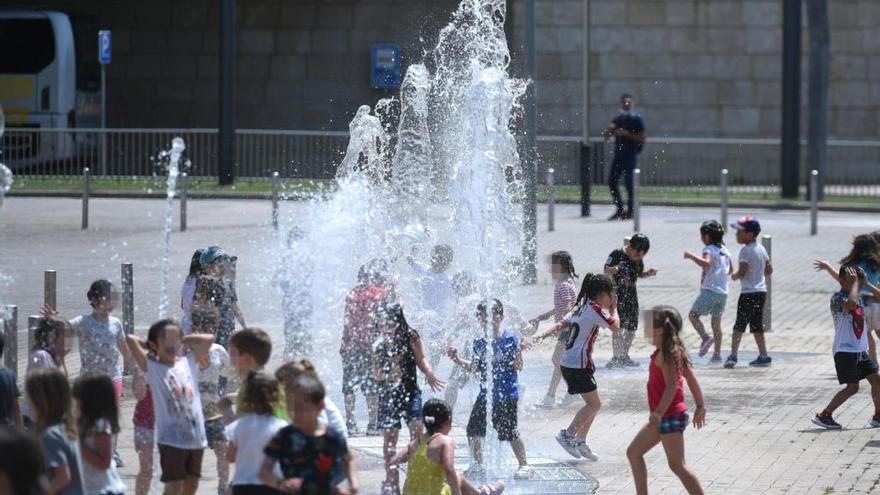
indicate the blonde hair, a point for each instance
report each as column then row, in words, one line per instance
column 49, row 393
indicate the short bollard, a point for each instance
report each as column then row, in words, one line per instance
column 85, row 198
column 275, row 200
column 767, row 242
column 184, row 192
column 128, row 305
column 551, row 200
column 724, row 178
column 10, row 332
column 814, row 202
column 33, row 323
column 50, row 291
column 637, row 201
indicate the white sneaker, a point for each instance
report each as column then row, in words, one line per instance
column 523, row 473
column 568, row 400
column 585, row 452
column 547, row 402
column 566, row 441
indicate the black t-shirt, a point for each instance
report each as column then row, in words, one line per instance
column 625, row 148
column 627, row 275
column 397, row 360
column 8, row 393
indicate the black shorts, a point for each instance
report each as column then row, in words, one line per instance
column 215, row 432
column 179, row 464
column 504, row 420
column 357, row 373
column 853, row 367
column 396, row 404
column 579, row 380
column 750, row 312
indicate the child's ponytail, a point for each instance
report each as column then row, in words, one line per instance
column 435, row 414
column 669, row 319
column 593, row 285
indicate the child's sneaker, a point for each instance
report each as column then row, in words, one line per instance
column 585, row 452
column 546, row 402
column 826, row 421
column 568, row 400
column 567, row 441
column 523, row 473
column 706, row 345
column 875, row 421
column 716, row 358
column 731, row 361
column 762, row 361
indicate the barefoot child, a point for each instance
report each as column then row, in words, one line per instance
column 717, row 265
column 464, row 329
column 596, row 308
column 50, row 347
column 287, row 373
column 144, row 435
column 249, row 350
column 98, row 424
column 850, row 345
column 754, row 267
column 431, row 459
column 172, row 374
column 666, row 424
column 626, row 267
column 564, row 297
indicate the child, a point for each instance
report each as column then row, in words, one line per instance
column 49, row 393
column 250, row 433
column 249, row 350
column 506, row 356
column 361, row 307
column 215, row 287
column 625, row 267
column 564, row 296
column 213, row 365
column 850, row 345
column 435, row 288
column 10, row 410
column 754, row 266
column 330, row 417
column 49, row 350
column 464, row 331
column 98, row 424
column 177, row 405
column 21, row 464
column 143, row 421
column 188, row 291
column 596, row 308
column 397, row 354
column 669, row 418
column 866, row 255
column 310, row 455
column 431, row 459
column 717, row 265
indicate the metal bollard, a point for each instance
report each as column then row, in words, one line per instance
column 85, row 198
column 127, row 305
column 184, row 191
column 275, row 200
column 10, row 332
column 33, row 323
column 767, row 242
column 814, row 202
column 551, row 200
column 50, row 288
column 586, row 177
column 637, row 201
column 724, row 177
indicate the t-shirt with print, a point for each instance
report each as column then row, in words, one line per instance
column 8, row 395
column 849, row 325
column 505, row 379
column 318, row 460
column 715, row 275
column 250, row 434
column 628, row 272
column 872, row 275
column 361, row 308
column 754, row 255
column 61, row 450
column 584, row 324
column 177, row 404
column 100, row 480
column 212, row 366
column 99, row 343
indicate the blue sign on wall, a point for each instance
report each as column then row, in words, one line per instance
column 104, row 53
column 385, row 66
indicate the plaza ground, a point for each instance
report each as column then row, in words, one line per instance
column 759, row 438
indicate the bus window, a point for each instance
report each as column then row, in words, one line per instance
column 35, row 34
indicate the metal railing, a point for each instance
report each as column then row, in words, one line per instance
column 674, row 164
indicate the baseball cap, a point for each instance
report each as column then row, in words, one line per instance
column 213, row 254
column 747, row 223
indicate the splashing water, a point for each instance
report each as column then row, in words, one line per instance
column 173, row 169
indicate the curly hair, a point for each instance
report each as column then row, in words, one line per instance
column 261, row 393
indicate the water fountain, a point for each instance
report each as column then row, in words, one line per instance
column 170, row 160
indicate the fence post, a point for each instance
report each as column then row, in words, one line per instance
column 814, row 202
column 767, row 242
column 637, row 200
column 50, row 291
column 275, row 200
column 10, row 331
column 184, row 189
column 586, row 177
column 85, row 198
column 724, row 178
column 33, row 323
column 551, row 200
column 128, row 305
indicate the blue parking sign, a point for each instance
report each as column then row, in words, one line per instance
column 104, row 53
column 385, row 66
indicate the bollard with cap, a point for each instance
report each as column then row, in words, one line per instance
column 814, row 202
column 724, row 178
column 275, row 200
column 33, row 323
column 551, row 200
column 637, row 201
column 50, row 288
column 184, row 192
column 10, row 333
column 128, row 305
column 767, row 242
column 85, row 198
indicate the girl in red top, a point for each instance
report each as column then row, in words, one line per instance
column 143, row 421
column 668, row 369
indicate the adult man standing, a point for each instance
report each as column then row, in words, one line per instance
column 628, row 130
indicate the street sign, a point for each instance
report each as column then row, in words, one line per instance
column 104, row 53
column 385, row 66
